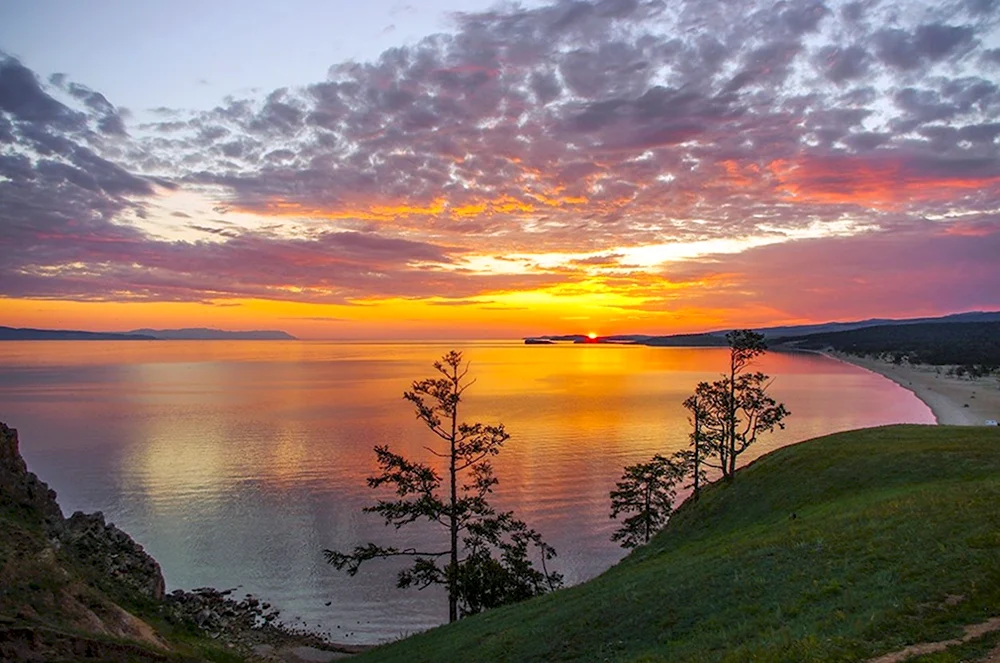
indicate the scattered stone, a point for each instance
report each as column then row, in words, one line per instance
column 250, row 626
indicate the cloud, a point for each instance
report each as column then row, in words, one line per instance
column 930, row 269
column 22, row 97
column 594, row 128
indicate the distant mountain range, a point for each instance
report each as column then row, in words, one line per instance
column 192, row 334
column 717, row 338
column 25, row 334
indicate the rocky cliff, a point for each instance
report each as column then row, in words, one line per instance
column 21, row 490
column 79, row 588
column 55, row 575
column 96, row 545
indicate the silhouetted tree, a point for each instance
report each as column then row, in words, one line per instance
column 646, row 491
column 735, row 410
column 701, row 445
column 487, row 552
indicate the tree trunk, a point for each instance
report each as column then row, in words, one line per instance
column 697, row 453
column 453, row 516
column 649, row 514
column 731, row 414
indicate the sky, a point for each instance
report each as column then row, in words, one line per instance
column 457, row 169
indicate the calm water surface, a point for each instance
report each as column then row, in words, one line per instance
column 237, row 463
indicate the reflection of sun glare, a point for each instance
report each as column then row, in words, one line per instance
column 592, row 335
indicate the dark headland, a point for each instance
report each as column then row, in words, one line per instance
column 186, row 334
column 774, row 335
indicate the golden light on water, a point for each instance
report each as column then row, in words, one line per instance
column 235, row 463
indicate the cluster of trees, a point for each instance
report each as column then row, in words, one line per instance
column 972, row 370
column 727, row 416
column 488, row 557
column 974, row 345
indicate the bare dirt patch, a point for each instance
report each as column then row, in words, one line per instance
column 972, row 632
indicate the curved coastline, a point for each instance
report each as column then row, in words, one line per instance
column 953, row 401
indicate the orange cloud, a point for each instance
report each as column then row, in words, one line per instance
column 439, row 207
column 740, row 176
column 883, row 183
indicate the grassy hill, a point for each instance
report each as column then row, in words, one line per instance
column 836, row 549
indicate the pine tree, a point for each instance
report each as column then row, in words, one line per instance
column 486, row 559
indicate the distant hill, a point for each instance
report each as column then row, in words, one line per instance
column 827, row 327
column 713, row 340
column 190, row 334
column 24, row 334
column 717, row 338
column 203, row 334
column 957, row 343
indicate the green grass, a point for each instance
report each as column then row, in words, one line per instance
column 888, row 523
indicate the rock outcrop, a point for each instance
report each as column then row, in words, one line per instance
column 112, row 553
column 20, row 489
column 92, row 542
column 63, row 582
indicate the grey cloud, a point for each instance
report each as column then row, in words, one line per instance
column 866, row 141
column 278, row 116
column 768, row 64
column 936, row 41
column 112, row 124
column 853, row 11
column 900, row 49
column 895, row 48
column 980, row 133
column 804, row 16
column 6, row 130
column 842, row 64
column 922, row 105
column 978, row 7
column 615, row 69
column 23, row 97
column 222, row 232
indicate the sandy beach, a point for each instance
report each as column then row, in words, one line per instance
column 953, row 400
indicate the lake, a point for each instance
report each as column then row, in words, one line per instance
column 236, row 463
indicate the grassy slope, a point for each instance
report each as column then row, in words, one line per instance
column 888, row 523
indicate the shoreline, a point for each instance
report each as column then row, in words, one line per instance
column 952, row 400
